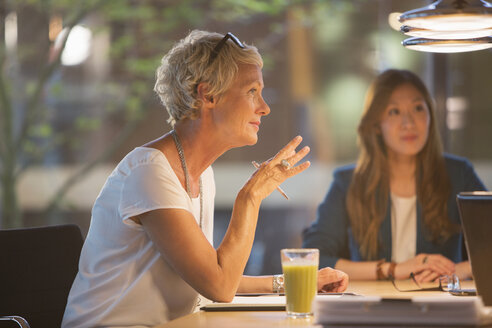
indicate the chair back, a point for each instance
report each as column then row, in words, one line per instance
column 37, row 269
column 13, row 321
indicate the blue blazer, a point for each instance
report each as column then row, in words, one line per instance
column 331, row 232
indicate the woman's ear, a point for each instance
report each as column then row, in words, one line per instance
column 202, row 94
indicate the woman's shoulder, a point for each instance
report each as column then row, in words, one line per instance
column 462, row 174
column 345, row 170
column 344, row 173
column 142, row 156
column 455, row 162
column 146, row 155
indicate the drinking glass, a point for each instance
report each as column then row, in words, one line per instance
column 300, row 268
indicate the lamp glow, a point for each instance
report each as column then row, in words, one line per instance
column 448, row 46
column 450, row 15
column 455, row 34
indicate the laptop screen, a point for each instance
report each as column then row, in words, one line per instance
column 476, row 219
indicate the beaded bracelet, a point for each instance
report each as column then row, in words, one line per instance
column 379, row 270
column 391, row 271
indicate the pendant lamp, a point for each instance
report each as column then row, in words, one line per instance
column 446, row 45
column 449, row 26
column 449, row 35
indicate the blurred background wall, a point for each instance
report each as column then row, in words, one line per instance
column 76, row 96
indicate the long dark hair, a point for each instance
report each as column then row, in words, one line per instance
column 367, row 197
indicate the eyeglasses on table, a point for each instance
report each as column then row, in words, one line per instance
column 447, row 283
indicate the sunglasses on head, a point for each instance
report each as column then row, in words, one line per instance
column 221, row 43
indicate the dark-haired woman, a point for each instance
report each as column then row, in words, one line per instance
column 394, row 212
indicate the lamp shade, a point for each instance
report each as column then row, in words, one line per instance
column 448, row 46
column 450, row 15
column 454, row 34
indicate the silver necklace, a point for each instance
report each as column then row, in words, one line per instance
column 185, row 170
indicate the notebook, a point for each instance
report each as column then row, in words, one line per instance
column 476, row 219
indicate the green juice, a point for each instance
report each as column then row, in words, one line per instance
column 300, row 283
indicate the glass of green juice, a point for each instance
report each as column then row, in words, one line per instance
column 300, row 268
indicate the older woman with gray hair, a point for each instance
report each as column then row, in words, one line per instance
column 148, row 255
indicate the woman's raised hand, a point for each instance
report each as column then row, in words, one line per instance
column 332, row 281
column 276, row 170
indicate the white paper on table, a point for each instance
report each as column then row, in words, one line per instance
column 268, row 302
column 446, row 310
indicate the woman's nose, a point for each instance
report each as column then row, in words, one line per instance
column 407, row 119
column 264, row 108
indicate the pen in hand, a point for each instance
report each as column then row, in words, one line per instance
column 256, row 165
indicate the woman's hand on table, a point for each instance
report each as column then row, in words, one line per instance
column 332, row 281
column 463, row 270
column 425, row 267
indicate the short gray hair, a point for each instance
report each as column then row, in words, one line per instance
column 187, row 64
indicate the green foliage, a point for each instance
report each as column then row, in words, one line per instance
column 42, row 130
column 144, row 67
column 122, row 45
column 118, row 11
column 30, row 87
column 140, row 32
column 140, row 87
column 29, row 147
column 87, row 124
column 186, row 12
column 56, row 89
column 133, row 108
column 231, row 10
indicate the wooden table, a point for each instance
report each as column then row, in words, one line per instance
column 260, row 319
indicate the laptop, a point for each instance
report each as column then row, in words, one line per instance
column 476, row 218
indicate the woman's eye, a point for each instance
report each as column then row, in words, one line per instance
column 252, row 90
column 419, row 108
column 393, row 111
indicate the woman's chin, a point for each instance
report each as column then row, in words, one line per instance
column 249, row 139
column 250, row 143
column 253, row 140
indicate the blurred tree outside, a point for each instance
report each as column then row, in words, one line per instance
column 35, row 87
column 26, row 68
